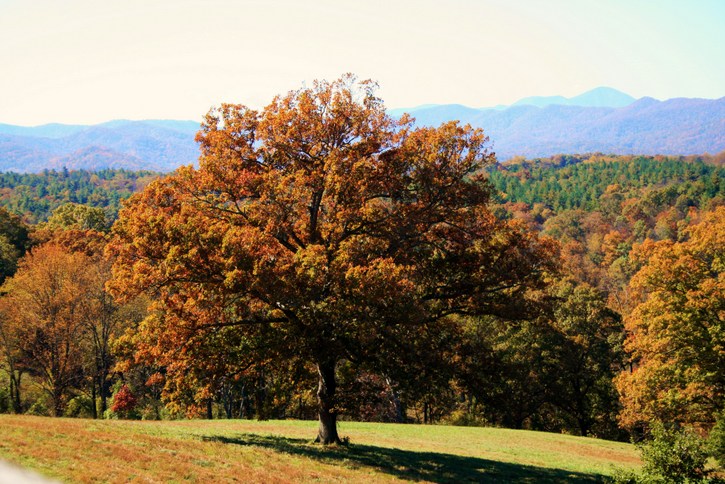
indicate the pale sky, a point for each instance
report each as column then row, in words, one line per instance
column 88, row 61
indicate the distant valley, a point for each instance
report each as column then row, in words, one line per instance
column 602, row 120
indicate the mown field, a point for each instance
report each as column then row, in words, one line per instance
column 76, row 450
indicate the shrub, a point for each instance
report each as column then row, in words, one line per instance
column 716, row 442
column 671, row 455
column 465, row 418
column 39, row 407
column 124, row 403
column 674, row 455
column 80, row 406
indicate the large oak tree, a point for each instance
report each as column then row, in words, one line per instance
column 320, row 228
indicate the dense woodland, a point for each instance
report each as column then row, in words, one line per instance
column 34, row 196
column 601, row 309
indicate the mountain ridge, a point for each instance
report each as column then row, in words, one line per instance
column 679, row 126
column 158, row 145
column 646, row 126
column 598, row 97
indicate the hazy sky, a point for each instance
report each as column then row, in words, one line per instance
column 86, row 61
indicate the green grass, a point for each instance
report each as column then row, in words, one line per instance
column 76, row 450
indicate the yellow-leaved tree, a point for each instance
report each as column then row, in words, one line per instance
column 676, row 331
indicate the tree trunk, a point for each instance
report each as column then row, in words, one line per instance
column 57, row 397
column 260, row 398
column 15, row 393
column 103, row 390
column 326, row 404
column 584, row 425
column 399, row 412
column 94, row 409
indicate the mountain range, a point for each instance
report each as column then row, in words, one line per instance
column 600, row 120
column 159, row 145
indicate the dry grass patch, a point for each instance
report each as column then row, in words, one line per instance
column 75, row 450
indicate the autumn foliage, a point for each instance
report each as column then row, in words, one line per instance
column 676, row 330
column 326, row 259
column 322, row 229
column 124, row 400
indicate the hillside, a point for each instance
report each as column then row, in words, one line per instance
column 580, row 182
column 78, row 450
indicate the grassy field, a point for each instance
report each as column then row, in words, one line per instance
column 76, row 450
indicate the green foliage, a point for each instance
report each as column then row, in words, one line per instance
column 670, row 455
column 39, row 407
column 14, row 242
column 36, row 195
column 78, row 217
column 4, row 400
column 79, row 407
column 466, row 418
column 9, row 255
column 587, row 358
column 568, row 182
column 554, row 373
column 716, row 440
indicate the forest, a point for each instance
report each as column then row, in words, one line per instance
column 34, row 196
column 326, row 261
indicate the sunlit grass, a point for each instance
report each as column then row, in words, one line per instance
column 75, row 450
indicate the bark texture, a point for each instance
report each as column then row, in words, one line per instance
column 327, row 433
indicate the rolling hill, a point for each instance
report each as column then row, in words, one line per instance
column 82, row 450
column 600, row 120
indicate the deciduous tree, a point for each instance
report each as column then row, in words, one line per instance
column 322, row 228
column 47, row 297
column 676, row 333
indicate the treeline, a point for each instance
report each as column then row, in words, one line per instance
column 628, row 231
column 34, row 196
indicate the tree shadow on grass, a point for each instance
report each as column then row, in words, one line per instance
column 411, row 465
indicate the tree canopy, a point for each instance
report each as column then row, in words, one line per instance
column 320, row 228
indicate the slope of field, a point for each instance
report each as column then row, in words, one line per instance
column 76, row 450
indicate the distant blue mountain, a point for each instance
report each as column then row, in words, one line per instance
column 54, row 130
column 601, row 97
column 601, row 120
column 597, row 97
column 161, row 145
column 647, row 126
